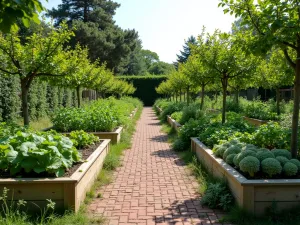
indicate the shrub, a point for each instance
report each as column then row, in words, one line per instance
column 219, row 150
column 235, row 160
column 250, row 147
column 282, row 152
column 271, row 135
column 290, row 169
column 261, row 155
column 192, row 129
column 171, row 108
column 217, row 195
column 229, row 159
column 261, row 110
column 296, row 162
column 179, row 145
column 243, row 155
column 216, row 131
column 271, row 167
column 234, row 142
column 234, row 149
column 177, row 116
column 249, row 164
column 283, row 160
column 190, row 112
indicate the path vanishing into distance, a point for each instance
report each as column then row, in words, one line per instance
column 153, row 185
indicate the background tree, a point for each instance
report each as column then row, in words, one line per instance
column 96, row 29
column 149, row 57
column 273, row 73
column 225, row 60
column 184, row 55
column 160, row 68
column 137, row 64
column 198, row 74
column 273, row 23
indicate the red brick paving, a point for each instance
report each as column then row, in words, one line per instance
column 153, row 186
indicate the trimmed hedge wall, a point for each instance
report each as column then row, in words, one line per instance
column 145, row 87
column 43, row 98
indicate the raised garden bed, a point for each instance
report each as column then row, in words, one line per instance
column 174, row 124
column 114, row 136
column 255, row 122
column 66, row 192
column 256, row 196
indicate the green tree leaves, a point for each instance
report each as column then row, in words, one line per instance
column 25, row 10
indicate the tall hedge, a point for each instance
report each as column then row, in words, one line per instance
column 145, row 87
column 10, row 101
column 43, row 98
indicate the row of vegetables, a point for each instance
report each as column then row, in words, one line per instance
column 24, row 152
column 257, row 152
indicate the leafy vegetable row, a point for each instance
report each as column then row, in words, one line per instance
column 49, row 153
column 100, row 115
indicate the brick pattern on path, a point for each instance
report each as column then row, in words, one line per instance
column 153, row 186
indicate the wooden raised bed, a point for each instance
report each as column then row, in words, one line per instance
column 253, row 195
column 114, row 136
column 174, row 124
column 66, row 192
column 255, row 122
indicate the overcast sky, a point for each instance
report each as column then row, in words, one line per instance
column 163, row 25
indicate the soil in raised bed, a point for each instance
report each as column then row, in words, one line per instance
column 85, row 152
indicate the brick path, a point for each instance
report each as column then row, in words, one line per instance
column 153, row 186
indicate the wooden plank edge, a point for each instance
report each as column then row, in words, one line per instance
column 81, row 171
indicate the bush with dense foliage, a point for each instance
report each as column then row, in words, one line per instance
column 170, row 109
column 177, row 116
column 249, row 164
column 191, row 129
column 217, row 195
column 261, row 110
column 271, row 167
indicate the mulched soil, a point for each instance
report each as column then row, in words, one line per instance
column 86, row 152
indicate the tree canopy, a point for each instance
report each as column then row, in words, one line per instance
column 184, row 55
column 24, row 11
column 96, row 29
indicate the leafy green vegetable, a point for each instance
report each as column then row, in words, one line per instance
column 29, row 152
column 81, row 139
